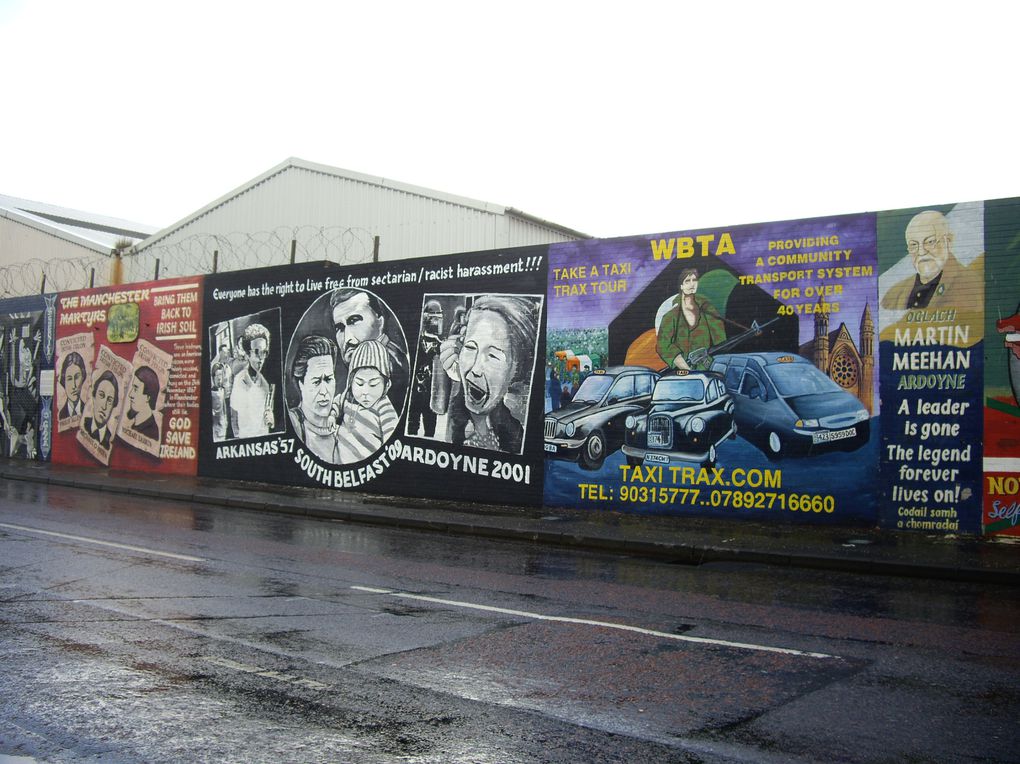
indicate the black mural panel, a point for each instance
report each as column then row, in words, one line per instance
column 27, row 331
column 412, row 378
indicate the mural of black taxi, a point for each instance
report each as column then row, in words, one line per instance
column 590, row 427
column 786, row 405
column 689, row 416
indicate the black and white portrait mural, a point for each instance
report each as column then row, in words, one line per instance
column 27, row 332
column 347, row 376
column 473, row 369
column 245, row 374
column 414, row 377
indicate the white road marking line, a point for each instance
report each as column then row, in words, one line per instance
column 103, row 543
column 588, row 622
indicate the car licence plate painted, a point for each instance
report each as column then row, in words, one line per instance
column 831, row 435
column 551, row 448
column 657, row 458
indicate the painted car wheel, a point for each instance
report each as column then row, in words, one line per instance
column 593, row 452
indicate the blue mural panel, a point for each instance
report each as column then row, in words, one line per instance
column 726, row 372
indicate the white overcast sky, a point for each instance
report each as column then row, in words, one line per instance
column 610, row 118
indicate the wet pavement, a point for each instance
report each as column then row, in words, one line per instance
column 144, row 629
column 681, row 540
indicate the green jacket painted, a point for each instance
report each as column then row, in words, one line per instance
column 675, row 336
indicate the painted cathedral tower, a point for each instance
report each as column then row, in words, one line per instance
column 836, row 354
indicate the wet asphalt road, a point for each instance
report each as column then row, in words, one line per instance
column 138, row 630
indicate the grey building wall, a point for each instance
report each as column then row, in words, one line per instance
column 315, row 212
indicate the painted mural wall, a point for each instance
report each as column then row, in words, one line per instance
column 727, row 372
column 858, row 370
column 1001, row 508
column 414, row 378
column 931, row 347
column 27, row 341
column 128, row 377
column 852, row 370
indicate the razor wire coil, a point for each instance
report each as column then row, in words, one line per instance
column 198, row 254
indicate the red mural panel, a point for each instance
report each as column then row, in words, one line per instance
column 128, row 377
column 1002, row 370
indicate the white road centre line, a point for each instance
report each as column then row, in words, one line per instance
column 589, row 622
column 113, row 544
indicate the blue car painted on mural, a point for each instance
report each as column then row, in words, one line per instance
column 785, row 405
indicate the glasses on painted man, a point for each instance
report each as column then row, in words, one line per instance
column 929, row 245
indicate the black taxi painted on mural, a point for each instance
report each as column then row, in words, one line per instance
column 689, row 416
column 590, row 427
column 785, row 405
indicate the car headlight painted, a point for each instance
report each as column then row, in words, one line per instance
column 569, row 430
column 697, row 424
column 863, row 415
column 629, row 422
column 806, row 423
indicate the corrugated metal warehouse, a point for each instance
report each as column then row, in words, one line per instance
column 40, row 240
column 303, row 211
column 297, row 211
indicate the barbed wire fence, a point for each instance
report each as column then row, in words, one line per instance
column 198, row 254
column 55, row 275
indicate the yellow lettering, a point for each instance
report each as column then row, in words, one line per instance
column 662, row 249
column 725, row 245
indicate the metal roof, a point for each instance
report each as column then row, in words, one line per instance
column 383, row 183
column 97, row 232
